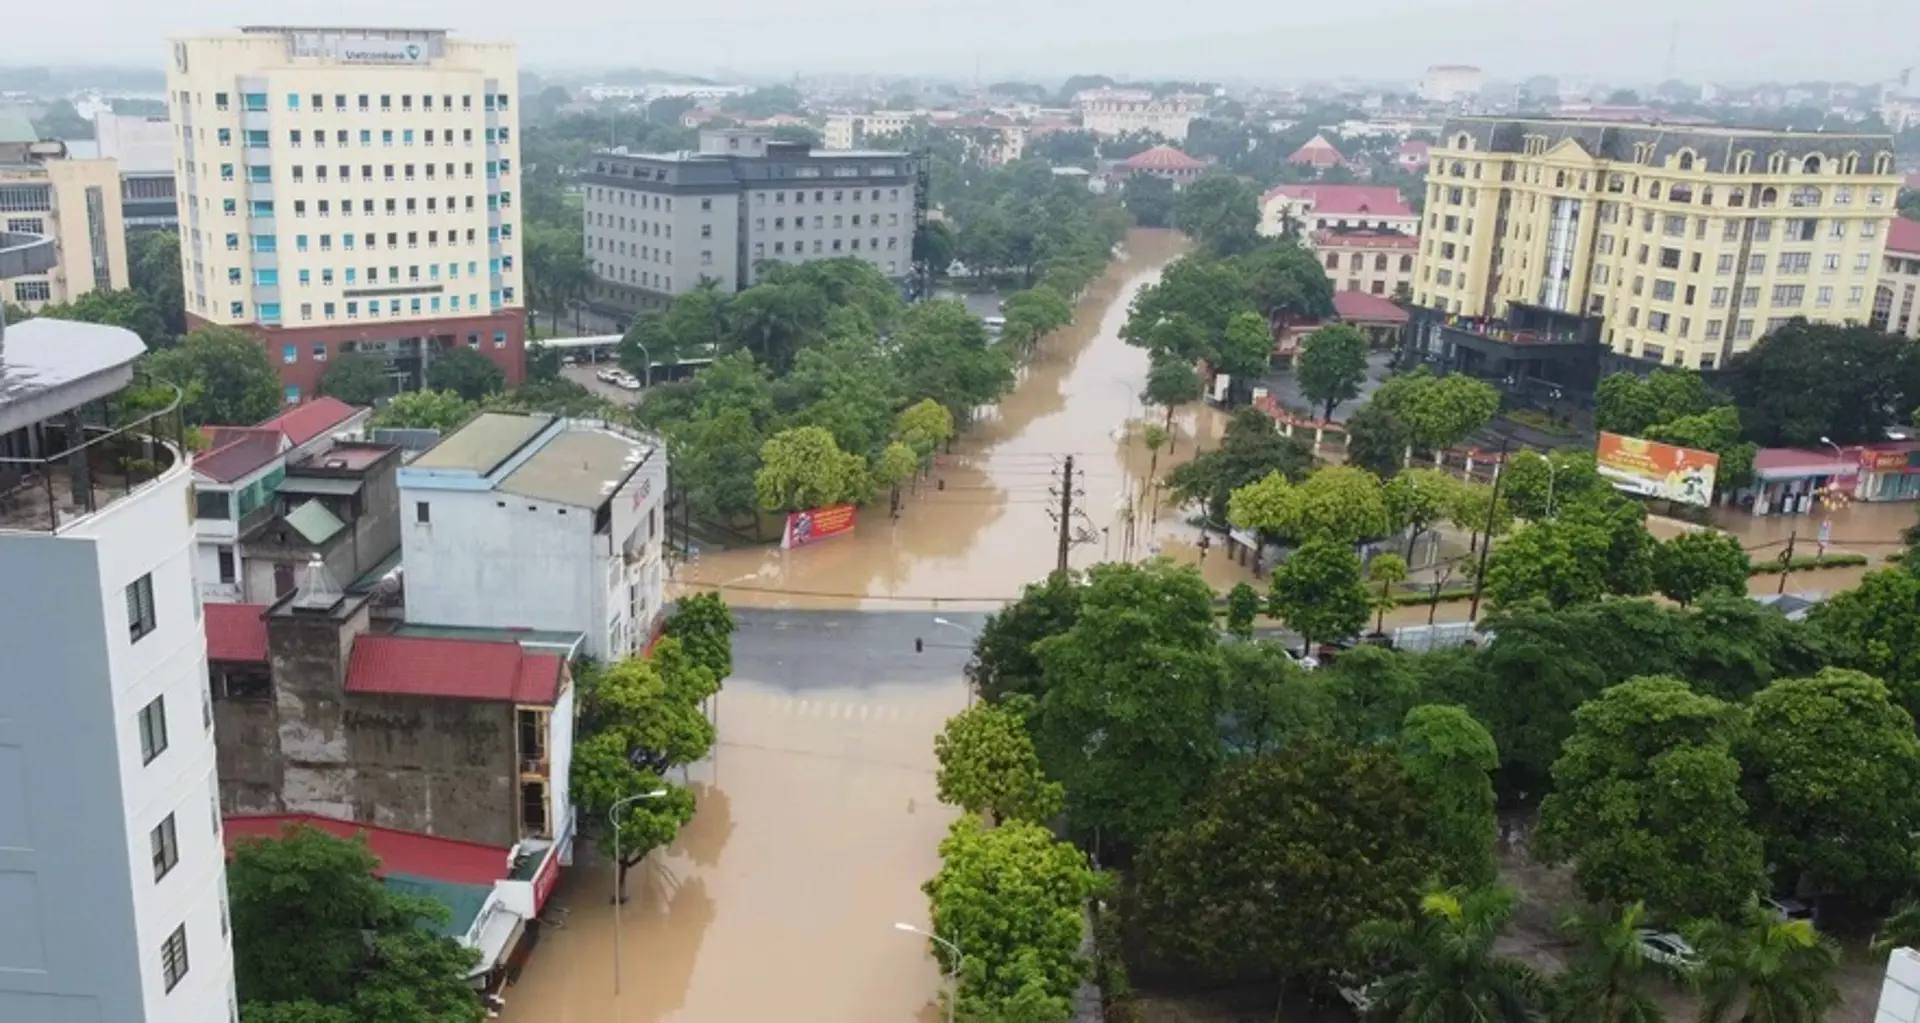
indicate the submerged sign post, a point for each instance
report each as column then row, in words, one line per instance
column 1652, row 469
column 816, row 524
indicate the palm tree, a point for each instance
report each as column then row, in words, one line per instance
column 1444, row 967
column 1607, row 982
column 1902, row 929
column 1778, row 971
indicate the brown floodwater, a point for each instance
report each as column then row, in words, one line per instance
column 979, row 529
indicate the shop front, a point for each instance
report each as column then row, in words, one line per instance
column 1889, row 472
column 1796, row 481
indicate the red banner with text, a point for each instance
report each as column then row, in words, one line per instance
column 816, row 524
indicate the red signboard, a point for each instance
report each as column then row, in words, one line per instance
column 544, row 880
column 816, row 524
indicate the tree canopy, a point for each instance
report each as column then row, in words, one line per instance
column 1331, row 366
column 224, row 375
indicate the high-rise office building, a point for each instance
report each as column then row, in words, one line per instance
column 113, row 901
column 351, row 190
column 1545, row 241
column 659, row 224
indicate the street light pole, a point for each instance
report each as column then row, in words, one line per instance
column 953, row 976
column 613, row 817
column 956, row 625
column 646, row 371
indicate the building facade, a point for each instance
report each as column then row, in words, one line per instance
column 527, row 521
column 1374, row 262
column 1300, row 210
column 77, row 204
column 1164, row 162
column 659, row 225
column 1896, row 299
column 351, row 190
column 1669, row 246
column 142, row 147
column 113, row 900
column 1450, row 83
column 1111, row 112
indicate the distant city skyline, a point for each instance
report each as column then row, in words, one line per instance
column 1629, row 40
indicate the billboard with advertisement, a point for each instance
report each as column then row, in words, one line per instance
column 816, row 524
column 1652, row 469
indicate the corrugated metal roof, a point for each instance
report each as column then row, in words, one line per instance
column 481, row 445
column 312, row 419
column 236, row 632
column 579, row 467
column 453, row 668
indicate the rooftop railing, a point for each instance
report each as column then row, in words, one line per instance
column 93, row 465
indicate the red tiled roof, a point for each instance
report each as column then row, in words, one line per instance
column 1904, row 236
column 236, row 632
column 1349, row 200
column 462, row 669
column 305, row 422
column 401, row 852
column 1365, row 240
column 1318, row 152
column 235, row 451
column 1358, row 306
column 1163, row 158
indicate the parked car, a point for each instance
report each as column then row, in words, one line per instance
column 1782, row 908
column 1667, row 949
column 606, row 374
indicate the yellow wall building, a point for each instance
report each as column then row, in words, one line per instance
column 1676, row 245
column 77, row 203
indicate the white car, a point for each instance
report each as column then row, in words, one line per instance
column 606, row 374
column 628, row 381
column 1667, row 949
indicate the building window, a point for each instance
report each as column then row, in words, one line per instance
column 140, row 607
column 153, row 729
column 173, row 957
column 166, row 848
column 422, row 512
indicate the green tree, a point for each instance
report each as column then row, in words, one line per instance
column 1873, row 628
column 1766, row 971
column 1285, row 281
column 1716, row 430
column 356, row 379
column 988, row 767
column 1387, row 570
column 704, row 626
column 1833, row 777
column 1420, row 499
column 1243, row 605
column 715, row 460
column 154, row 270
column 1035, row 313
column 1331, row 366
column 1446, row 966
column 843, row 386
column 1268, row 700
column 1531, row 481
column 317, row 933
column 224, row 374
column 1448, row 756
column 1805, row 381
column 1170, row 384
column 1005, row 660
column 1151, row 200
column 1129, row 715
column 1607, row 979
column 1246, row 348
column 1377, row 440
column 1251, row 450
column 466, row 373
column 803, row 468
column 935, row 245
column 1562, row 563
column 1628, row 403
column 425, row 410
column 941, row 351
column 1439, row 411
column 924, row 426
column 1013, row 900
column 1697, row 562
column 1339, row 504
column 1278, row 853
column 1646, row 803
column 1317, row 592
column 1220, row 212
column 894, row 465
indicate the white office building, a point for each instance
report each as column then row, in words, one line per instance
column 534, row 522
column 112, row 872
column 350, row 190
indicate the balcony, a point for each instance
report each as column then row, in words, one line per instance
column 91, row 465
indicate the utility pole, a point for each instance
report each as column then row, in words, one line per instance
column 1486, row 538
column 1066, row 514
column 1786, row 560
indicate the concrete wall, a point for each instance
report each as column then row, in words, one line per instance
column 247, row 732
column 502, row 561
column 444, row 767
column 309, row 656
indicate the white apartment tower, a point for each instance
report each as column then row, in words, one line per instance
column 113, row 900
column 350, row 190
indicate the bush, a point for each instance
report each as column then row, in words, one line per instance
column 1802, row 563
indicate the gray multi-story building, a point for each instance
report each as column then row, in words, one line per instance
column 659, row 224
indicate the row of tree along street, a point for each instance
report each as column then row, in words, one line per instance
column 318, row 938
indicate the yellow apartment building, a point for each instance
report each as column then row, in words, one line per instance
column 77, row 204
column 1659, row 244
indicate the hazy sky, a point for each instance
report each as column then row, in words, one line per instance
column 1861, row 40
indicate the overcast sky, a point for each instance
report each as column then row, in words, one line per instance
column 1617, row 40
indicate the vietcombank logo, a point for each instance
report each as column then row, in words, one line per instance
column 413, row 52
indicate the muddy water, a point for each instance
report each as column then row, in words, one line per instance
column 980, row 529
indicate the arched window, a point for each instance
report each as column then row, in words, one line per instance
column 1380, row 261
column 1463, row 141
column 1743, row 163
column 1737, row 198
column 1810, row 165
column 1851, row 164
column 1777, row 163
column 1653, row 189
column 1458, row 170
column 1769, row 197
column 1706, row 196
column 1883, row 163
column 1406, row 264
column 1559, row 179
column 1686, row 159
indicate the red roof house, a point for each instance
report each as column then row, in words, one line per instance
column 307, row 421
column 1317, row 153
column 1345, row 200
column 401, row 852
column 1412, row 156
column 237, row 451
column 1362, row 309
column 454, row 668
column 1903, row 237
column 236, row 632
column 1163, row 162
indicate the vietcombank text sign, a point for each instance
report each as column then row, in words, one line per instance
column 1652, row 469
column 368, row 50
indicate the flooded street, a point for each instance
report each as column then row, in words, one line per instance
column 979, row 529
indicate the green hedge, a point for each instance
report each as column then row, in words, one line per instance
column 1772, row 567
